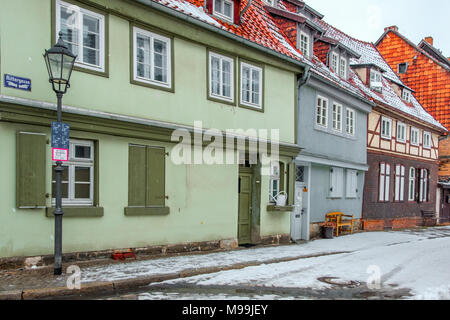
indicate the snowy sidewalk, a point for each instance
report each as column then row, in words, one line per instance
column 346, row 256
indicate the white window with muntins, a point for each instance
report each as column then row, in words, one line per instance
column 401, row 132
column 375, row 80
column 274, row 181
column 335, row 62
column 224, row 9
column 386, row 128
column 406, row 95
column 337, row 117
column 78, row 175
column 336, row 182
column 427, row 140
column 412, row 184
column 152, row 58
column 399, row 183
column 414, row 136
column 385, row 180
column 423, row 186
column 343, row 68
column 84, row 33
column 322, row 112
column 350, row 121
column 352, row 183
column 251, row 85
column 221, row 77
column 304, row 43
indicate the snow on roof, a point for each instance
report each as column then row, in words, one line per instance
column 370, row 55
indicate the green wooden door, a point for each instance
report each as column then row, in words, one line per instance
column 245, row 209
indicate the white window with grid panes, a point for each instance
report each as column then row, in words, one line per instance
column 350, row 121
column 423, row 185
column 251, row 85
column 401, row 132
column 406, row 95
column 335, row 62
column 375, row 80
column 304, row 43
column 399, row 183
column 224, row 9
column 337, row 117
column 385, row 182
column 84, row 33
column 322, row 112
column 274, row 181
column 152, row 58
column 78, row 175
column 427, row 140
column 414, row 136
column 343, row 68
column 221, row 77
column 412, row 184
column 386, row 128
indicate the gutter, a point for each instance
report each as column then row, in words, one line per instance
column 227, row 34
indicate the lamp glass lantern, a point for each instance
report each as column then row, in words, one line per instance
column 60, row 61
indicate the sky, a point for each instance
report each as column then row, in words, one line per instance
column 366, row 19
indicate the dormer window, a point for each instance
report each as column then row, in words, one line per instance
column 224, row 9
column 334, row 62
column 270, row 2
column 343, row 68
column 406, row 95
column 402, row 68
column 375, row 80
column 304, row 43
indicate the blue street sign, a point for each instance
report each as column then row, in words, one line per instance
column 14, row 82
column 60, row 135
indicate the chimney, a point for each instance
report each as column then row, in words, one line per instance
column 429, row 40
column 392, row 28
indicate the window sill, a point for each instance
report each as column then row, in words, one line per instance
column 81, row 212
column 275, row 208
column 146, row 211
column 102, row 73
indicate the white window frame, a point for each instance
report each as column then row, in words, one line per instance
column 374, row 76
column 260, row 71
column 337, row 116
column 386, row 135
column 222, row 15
column 335, row 62
column 152, row 36
column 385, row 182
column 426, row 140
column 320, row 112
column 303, row 49
column 404, row 127
column 399, row 183
column 81, row 12
column 415, row 132
column 78, row 162
column 343, row 67
column 423, row 191
column 231, row 61
column 352, row 184
column 270, row 2
column 412, row 184
column 336, row 182
column 275, row 176
column 406, row 95
column 350, row 121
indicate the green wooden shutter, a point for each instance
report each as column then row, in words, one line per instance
column 291, row 183
column 30, row 170
column 137, row 159
column 156, row 177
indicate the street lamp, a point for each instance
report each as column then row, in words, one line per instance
column 59, row 60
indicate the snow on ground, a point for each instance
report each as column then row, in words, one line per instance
column 417, row 260
column 356, row 242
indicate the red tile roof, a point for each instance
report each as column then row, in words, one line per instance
column 427, row 76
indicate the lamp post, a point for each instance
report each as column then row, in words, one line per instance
column 59, row 60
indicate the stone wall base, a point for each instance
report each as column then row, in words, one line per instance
column 398, row 223
column 162, row 250
column 276, row 239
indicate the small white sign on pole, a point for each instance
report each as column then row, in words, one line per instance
column 60, row 154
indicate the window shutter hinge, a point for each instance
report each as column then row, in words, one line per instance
column 167, row 154
column 331, row 189
column 48, row 141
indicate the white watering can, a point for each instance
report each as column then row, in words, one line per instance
column 281, row 199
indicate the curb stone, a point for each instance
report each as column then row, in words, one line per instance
column 11, row 295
